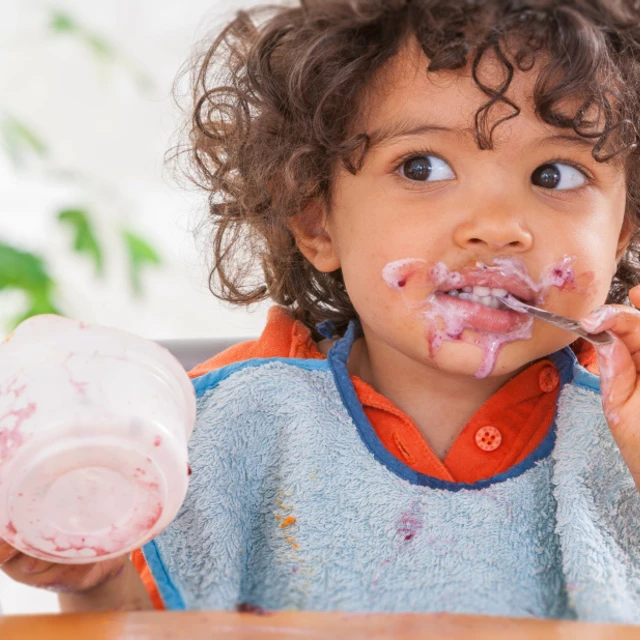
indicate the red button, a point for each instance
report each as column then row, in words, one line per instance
column 488, row 438
column 548, row 378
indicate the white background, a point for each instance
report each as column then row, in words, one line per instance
column 95, row 120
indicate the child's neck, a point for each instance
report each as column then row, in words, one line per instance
column 439, row 403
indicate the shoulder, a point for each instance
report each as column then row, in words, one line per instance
column 247, row 410
column 256, row 388
column 261, row 384
column 282, row 337
column 258, row 372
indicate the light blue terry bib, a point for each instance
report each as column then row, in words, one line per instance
column 294, row 503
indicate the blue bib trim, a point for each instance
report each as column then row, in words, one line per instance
column 169, row 593
column 564, row 360
column 213, row 378
column 584, row 378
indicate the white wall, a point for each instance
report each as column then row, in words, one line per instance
column 96, row 121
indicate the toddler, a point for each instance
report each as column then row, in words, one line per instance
column 386, row 171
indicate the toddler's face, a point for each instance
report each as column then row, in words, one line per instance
column 430, row 214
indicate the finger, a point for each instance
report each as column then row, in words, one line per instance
column 621, row 400
column 79, row 578
column 622, row 321
column 23, row 564
column 634, row 296
column 62, row 578
column 618, row 377
column 7, row 552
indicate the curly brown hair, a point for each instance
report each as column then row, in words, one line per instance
column 275, row 97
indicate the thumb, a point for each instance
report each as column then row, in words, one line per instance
column 634, row 296
column 617, row 377
column 7, row 552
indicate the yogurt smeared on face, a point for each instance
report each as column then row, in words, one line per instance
column 451, row 301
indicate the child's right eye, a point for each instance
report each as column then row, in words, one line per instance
column 426, row 168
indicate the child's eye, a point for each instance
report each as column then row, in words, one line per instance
column 558, row 176
column 426, row 168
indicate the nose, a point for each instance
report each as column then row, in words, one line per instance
column 493, row 231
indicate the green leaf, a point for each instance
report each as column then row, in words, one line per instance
column 62, row 22
column 26, row 272
column 22, row 270
column 100, row 46
column 141, row 254
column 19, row 140
column 85, row 240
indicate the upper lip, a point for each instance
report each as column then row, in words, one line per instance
column 477, row 278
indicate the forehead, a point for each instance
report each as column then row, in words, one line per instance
column 404, row 91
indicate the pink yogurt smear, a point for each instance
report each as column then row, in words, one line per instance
column 60, row 545
column 560, row 275
column 53, row 544
column 456, row 321
column 410, row 524
column 608, row 361
column 423, row 285
column 12, row 438
column 597, row 317
column 11, row 435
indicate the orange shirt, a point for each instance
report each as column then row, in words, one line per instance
column 502, row 433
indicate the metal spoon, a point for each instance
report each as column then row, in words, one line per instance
column 559, row 321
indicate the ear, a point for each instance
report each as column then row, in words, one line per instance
column 625, row 237
column 313, row 237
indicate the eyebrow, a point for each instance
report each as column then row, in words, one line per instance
column 408, row 128
column 572, row 139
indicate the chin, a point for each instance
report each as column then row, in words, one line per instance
column 464, row 359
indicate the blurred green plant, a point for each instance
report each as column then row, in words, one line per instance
column 19, row 141
column 28, row 272
column 64, row 24
column 85, row 240
column 141, row 254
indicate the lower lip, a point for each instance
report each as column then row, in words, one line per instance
column 481, row 318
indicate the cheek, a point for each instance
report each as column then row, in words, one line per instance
column 595, row 244
column 590, row 286
column 361, row 277
column 597, row 237
column 372, row 298
column 592, row 282
column 599, row 268
column 591, row 291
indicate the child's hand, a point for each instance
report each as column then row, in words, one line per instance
column 112, row 584
column 64, row 578
column 620, row 375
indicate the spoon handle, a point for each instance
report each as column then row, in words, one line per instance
column 559, row 321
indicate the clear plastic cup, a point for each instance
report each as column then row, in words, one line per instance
column 94, row 425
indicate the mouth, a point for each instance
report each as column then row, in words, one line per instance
column 486, row 296
column 478, row 305
column 485, row 287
